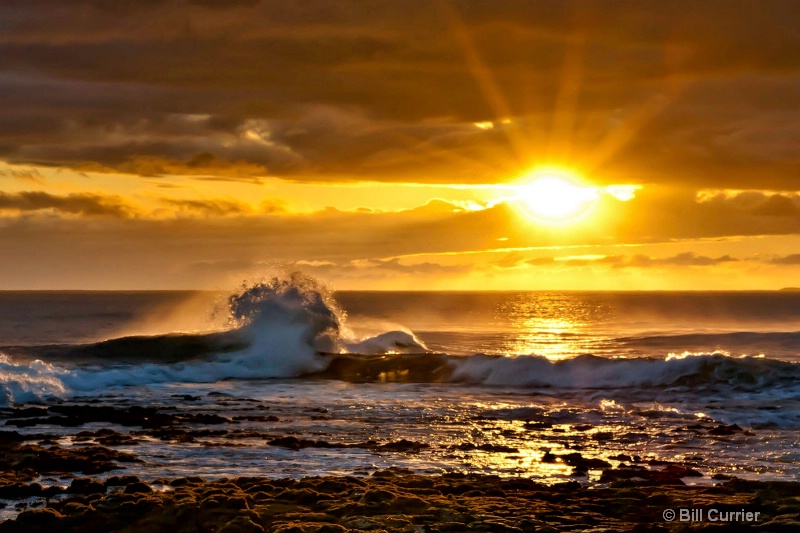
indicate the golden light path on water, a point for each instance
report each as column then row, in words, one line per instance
column 553, row 325
column 550, row 338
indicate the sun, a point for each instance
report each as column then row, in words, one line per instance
column 553, row 197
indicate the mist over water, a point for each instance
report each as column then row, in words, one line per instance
column 644, row 368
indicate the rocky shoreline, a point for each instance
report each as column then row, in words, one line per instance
column 399, row 501
column 631, row 497
column 50, row 483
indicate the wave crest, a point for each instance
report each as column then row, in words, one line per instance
column 281, row 327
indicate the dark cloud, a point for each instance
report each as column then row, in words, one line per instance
column 205, row 165
column 361, row 245
column 426, row 267
column 74, row 204
column 685, row 259
column 340, row 236
column 700, row 93
column 210, row 207
column 778, row 206
column 793, row 259
column 29, row 174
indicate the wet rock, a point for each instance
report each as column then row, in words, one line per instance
column 187, row 397
column 39, row 520
column 18, row 491
column 138, row 487
column 88, row 460
column 671, row 475
column 398, row 501
column 377, row 496
column 678, row 471
column 537, row 426
column 184, row 481
column 723, row 430
column 78, row 415
column 293, row 443
column 627, row 472
column 257, row 418
column 121, row 481
column 622, row 457
column 86, row 486
column 579, row 461
column 403, row 445
column 28, row 412
column 179, row 435
column 495, row 448
column 241, row 524
column 204, row 418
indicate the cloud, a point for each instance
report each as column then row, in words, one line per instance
column 203, row 164
column 225, row 240
column 793, row 259
column 210, row 207
column 73, row 204
column 426, row 267
column 331, row 91
column 31, row 175
column 778, row 206
column 685, row 259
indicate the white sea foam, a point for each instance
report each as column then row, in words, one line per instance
column 590, row 372
column 286, row 325
column 21, row 383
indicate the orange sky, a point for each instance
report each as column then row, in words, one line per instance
column 385, row 145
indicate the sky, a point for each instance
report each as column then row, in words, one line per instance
column 385, row 145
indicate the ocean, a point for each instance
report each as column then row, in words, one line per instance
column 283, row 378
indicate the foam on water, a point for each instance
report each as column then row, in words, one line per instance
column 588, row 371
column 284, row 324
column 20, row 383
column 291, row 326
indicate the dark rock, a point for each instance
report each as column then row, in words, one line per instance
column 577, row 460
column 121, row 481
column 375, row 496
column 78, row 415
column 622, row 457
column 627, row 472
column 29, row 412
column 291, row 443
column 183, row 481
column 86, row 486
column 205, row 418
column 403, row 445
column 723, row 430
column 39, row 520
column 257, row 418
column 241, row 524
column 134, row 488
column 496, row 448
column 536, row 426
column 18, row 491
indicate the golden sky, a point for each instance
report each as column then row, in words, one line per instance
column 416, row 144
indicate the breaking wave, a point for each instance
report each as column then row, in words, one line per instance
column 291, row 327
column 280, row 327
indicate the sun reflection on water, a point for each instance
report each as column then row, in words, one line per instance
column 554, row 325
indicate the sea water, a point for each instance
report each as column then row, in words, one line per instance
column 481, row 381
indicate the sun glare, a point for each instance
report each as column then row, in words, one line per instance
column 554, row 197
